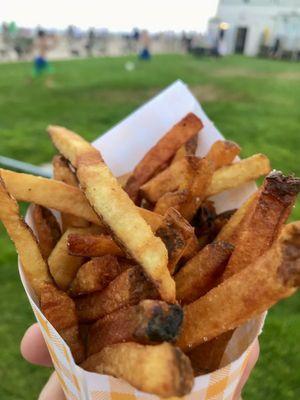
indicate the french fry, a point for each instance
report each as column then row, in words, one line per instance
column 149, row 322
column 273, row 276
column 176, row 177
column 229, row 231
column 162, row 370
column 47, row 229
column 171, row 200
column 62, row 265
column 59, row 196
column 123, row 179
column 198, row 187
column 62, row 172
column 34, row 265
column 59, row 309
column 128, row 289
column 222, row 153
column 162, row 152
column 235, row 175
column 116, row 210
column 202, row 272
column 91, row 245
column 177, row 234
column 264, row 221
column 187, row 149
column 96, row 274
column 208, row 223
column 207, row 356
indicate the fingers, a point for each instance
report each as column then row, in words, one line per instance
column 52, row 390
column 33, row 347
column 249, row 367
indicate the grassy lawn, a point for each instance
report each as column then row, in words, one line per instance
column 254, row 102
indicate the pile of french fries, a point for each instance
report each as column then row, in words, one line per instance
column 139, row 274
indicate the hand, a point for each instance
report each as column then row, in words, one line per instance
column 34, row 350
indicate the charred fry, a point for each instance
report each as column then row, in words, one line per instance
column 150, row 321
column 273, row 276
column 127, row 289
column 264, row 221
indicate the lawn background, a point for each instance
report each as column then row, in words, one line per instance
column 254, row 102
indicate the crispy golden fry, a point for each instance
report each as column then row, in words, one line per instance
column 162, row 370
column 202, row 272
column 34, row 265
column 235, row 175
column 59, row 310
column 151, row 321
column 96, row 274
column 207, row 356
column 229, row 232
column 62, row 265
column 59, row 196
column 203, row 174
column 91, row 245
column 187, row 149
column 171, row 199
column 222, row 153
column 246, row 294
column 128, row 289
column 162, row 152
column 177, row 176
column 47, row 229
column 115, row 208
column 264, row 221
column 62, row 172
column 177, row 234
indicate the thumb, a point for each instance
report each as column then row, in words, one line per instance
column 52, row 390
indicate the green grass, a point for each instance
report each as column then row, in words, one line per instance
column 254, row 102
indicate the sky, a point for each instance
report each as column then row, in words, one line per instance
column 116, row 15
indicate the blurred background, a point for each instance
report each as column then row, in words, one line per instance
column 87, row 65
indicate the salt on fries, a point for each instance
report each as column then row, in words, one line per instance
column 149, row 285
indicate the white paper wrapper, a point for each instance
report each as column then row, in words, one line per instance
column 122, row 147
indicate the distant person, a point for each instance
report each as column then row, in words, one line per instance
column 41, row 66
column 90, row 44
column 145, row 46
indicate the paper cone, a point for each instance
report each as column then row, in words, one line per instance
column 122, row 147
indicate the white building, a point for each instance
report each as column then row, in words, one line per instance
column 251, row 23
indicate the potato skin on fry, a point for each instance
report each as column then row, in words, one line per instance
column 34, row 265
column 222, row 153
column 116, row 209
column 91, row 245
column 149, row 322
column 47, row 229
column 264, row 220
column 163, row 151
column 162, row 370
column 201, row 273
column 59, row 309
column 128, row 289
column 59, row 196
column 273, row 276
column 62, row 172
column 96, row 274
